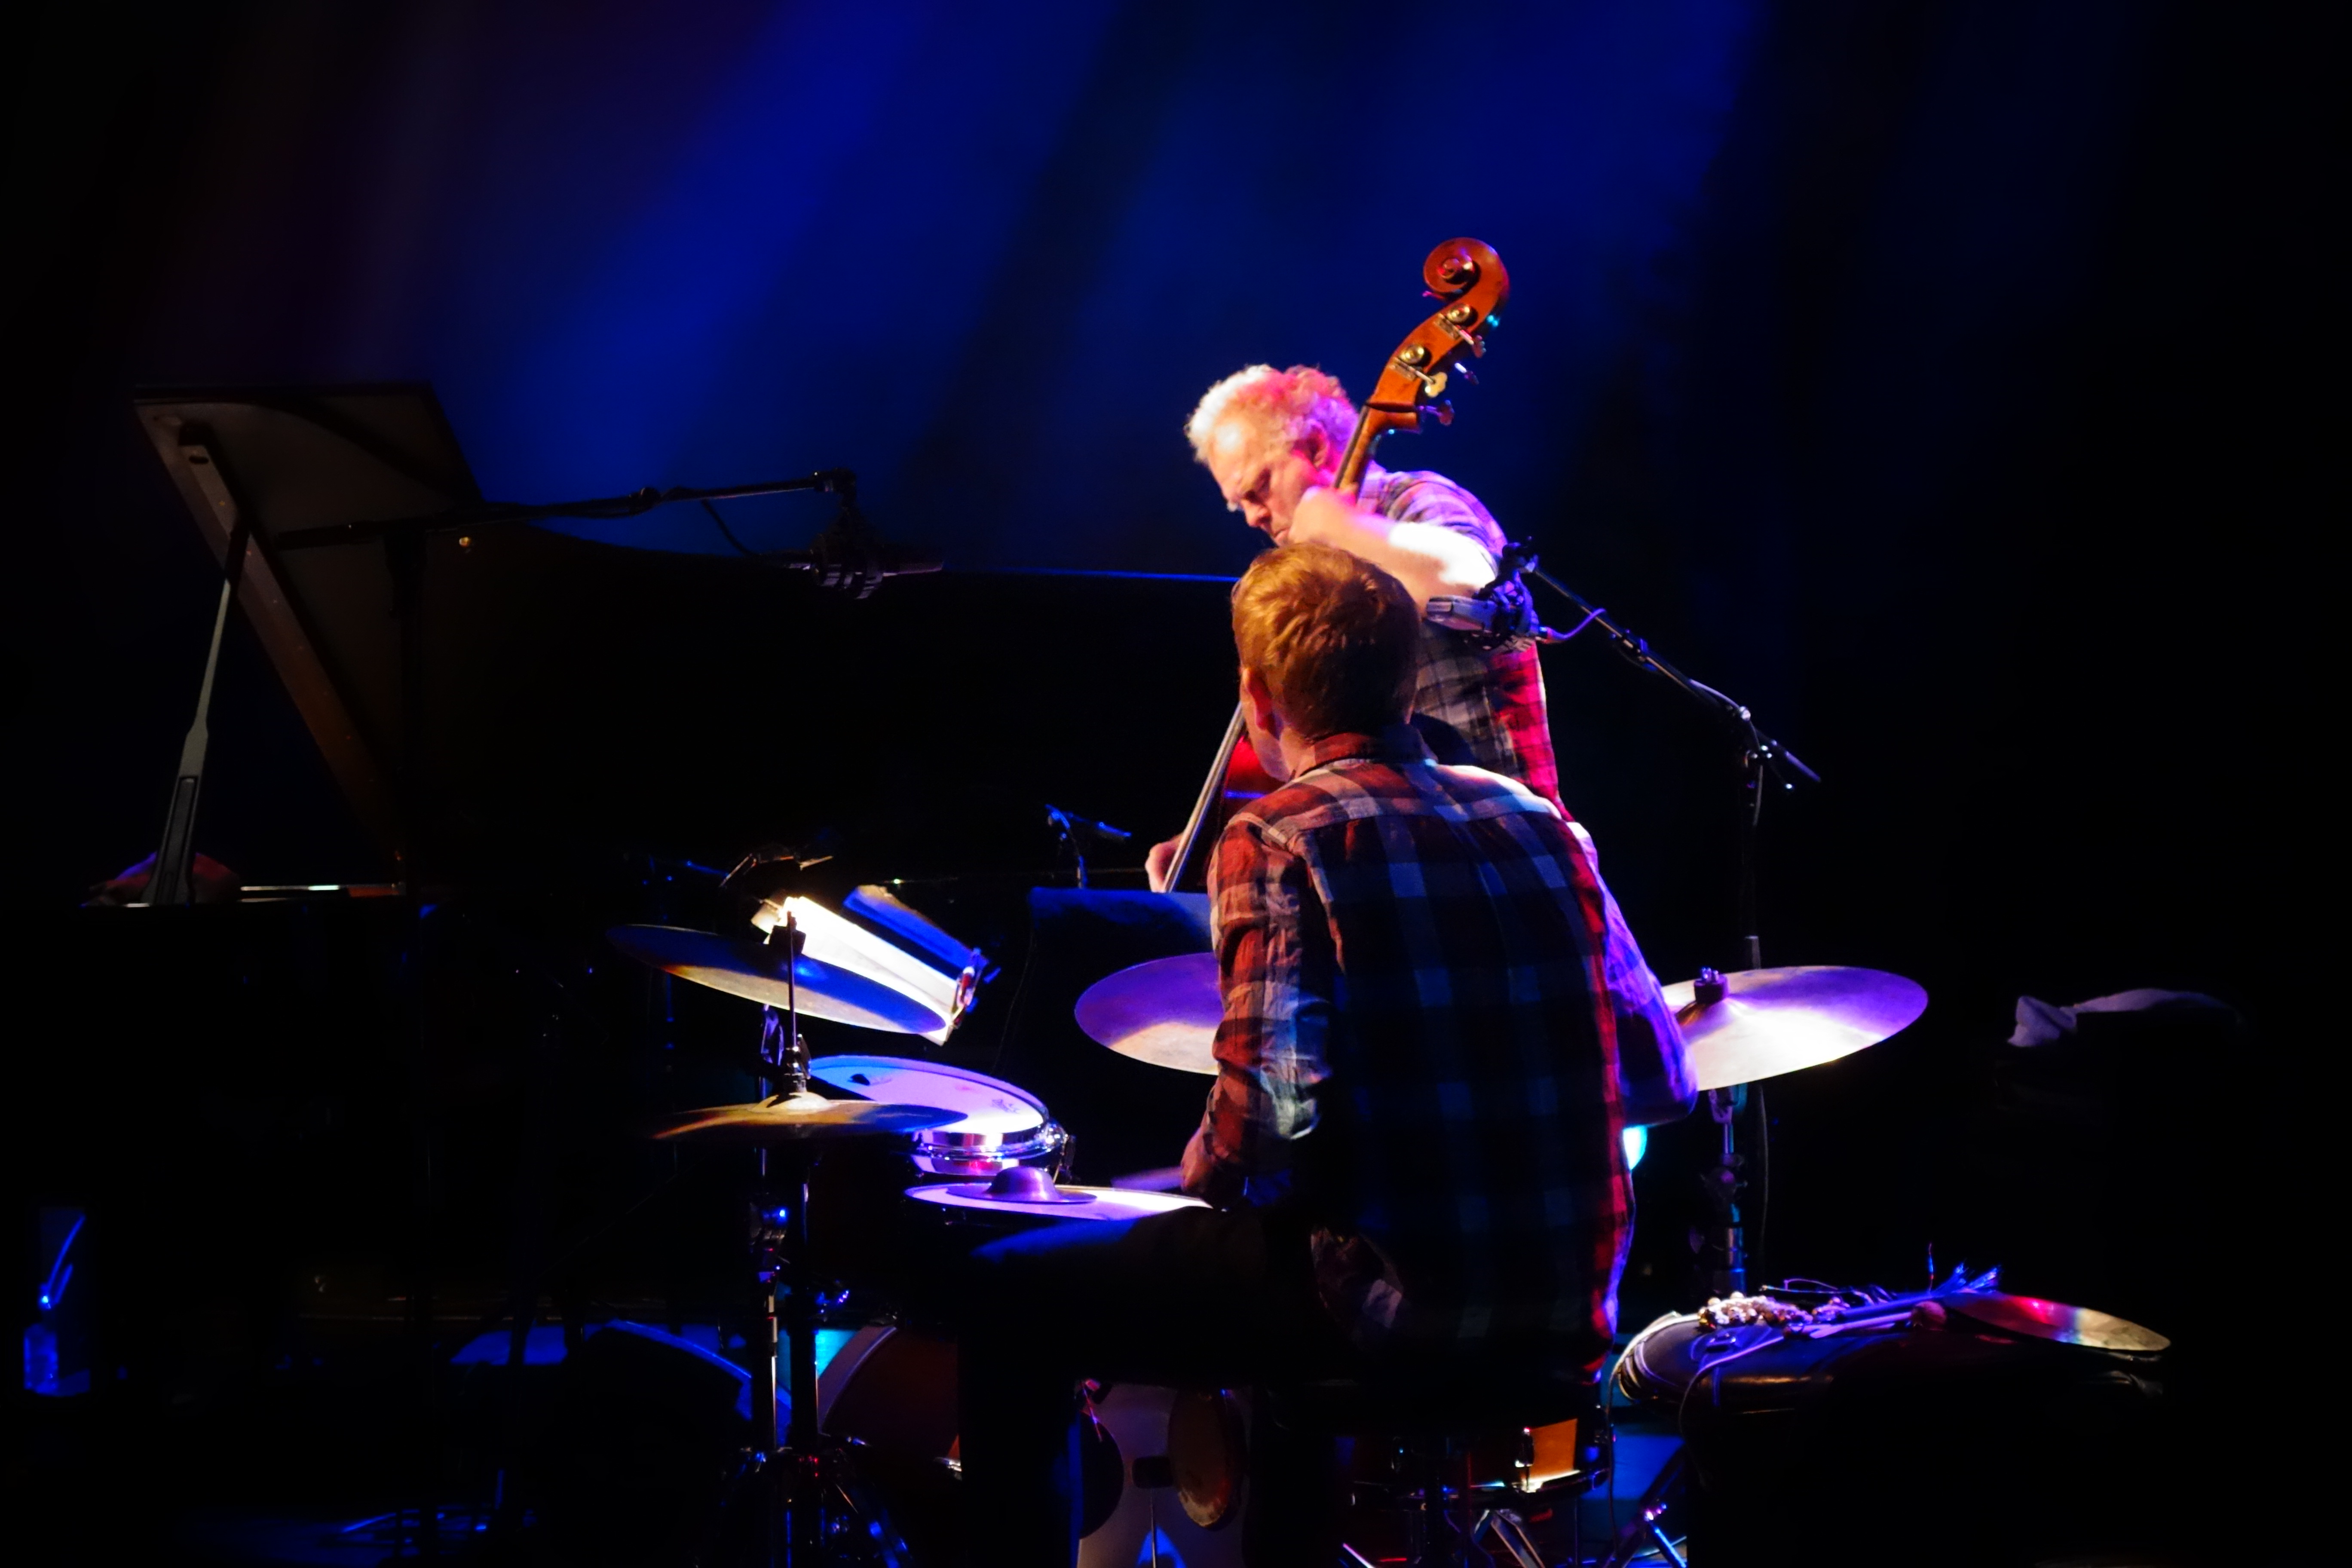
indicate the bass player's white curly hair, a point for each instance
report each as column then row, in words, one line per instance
column 1283, row 404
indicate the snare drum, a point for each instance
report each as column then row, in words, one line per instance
column 1002, row 1125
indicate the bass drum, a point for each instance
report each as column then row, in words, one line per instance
column 892, row 1392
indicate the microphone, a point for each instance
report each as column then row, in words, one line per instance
column 1502, row 615
column 849, row 556
column 1071, row 823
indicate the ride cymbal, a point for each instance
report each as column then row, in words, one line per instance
column 1164, row 1012
column 1773, row 1020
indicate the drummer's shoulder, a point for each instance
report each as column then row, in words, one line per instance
column 1299, row 806
column 1329, row 795
column 1357, row 790
column 1482, row 792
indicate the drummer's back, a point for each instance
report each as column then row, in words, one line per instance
column 1454, row 956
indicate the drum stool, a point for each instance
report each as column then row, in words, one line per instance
column 1463, row 1449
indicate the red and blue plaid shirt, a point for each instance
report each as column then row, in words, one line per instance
column 1490, row 700
column 1433, row 1018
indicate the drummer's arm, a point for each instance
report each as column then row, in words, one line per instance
column 1654, row 1083
column 1270, row 1063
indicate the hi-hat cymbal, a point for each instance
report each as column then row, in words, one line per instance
column 1164, row 1012
column 1772, row 1021
column 800, row 1118
column 755, row 970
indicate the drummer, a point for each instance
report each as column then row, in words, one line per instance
column 1433, row 1019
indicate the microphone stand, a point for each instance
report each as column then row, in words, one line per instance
column 1074, row 830
column 1760, row 756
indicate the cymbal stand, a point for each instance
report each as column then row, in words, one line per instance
column 791, row 1502
column 1721, row 1244
column 1724, row 1244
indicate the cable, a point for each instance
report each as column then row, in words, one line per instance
column 1591, row 617
column 53, row 1290
column 1759, row 1176
column 740, row 548
column 1681, row 1407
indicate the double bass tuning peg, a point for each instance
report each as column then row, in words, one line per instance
column 1441, row 411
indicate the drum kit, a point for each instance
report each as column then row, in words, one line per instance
column 992, row 1158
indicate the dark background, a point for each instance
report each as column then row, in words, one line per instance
column 1946, row 380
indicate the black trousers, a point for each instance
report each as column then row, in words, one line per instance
column 1197, row 1297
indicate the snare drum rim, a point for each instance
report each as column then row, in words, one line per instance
column 1043, row 1139
column 992, row 1154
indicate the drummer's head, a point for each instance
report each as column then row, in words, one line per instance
column 1270, row 436
column 1327, row 644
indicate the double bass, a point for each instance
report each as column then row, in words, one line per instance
column 1467, row 279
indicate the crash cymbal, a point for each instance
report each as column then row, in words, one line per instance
column 1164, row 1012
column 1771, row 1021
column 2040, row 1320
column 802, row 1117
column 755, row 970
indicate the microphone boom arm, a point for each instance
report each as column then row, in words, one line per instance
column 1637, row 650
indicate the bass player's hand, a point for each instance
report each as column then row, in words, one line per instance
column 1160, row 864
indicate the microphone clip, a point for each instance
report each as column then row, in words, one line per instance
column 1502, row 615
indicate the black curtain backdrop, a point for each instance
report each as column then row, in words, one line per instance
column 1946, row 380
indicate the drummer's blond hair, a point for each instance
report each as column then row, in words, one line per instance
column 1336, row 638
column 1281, row 404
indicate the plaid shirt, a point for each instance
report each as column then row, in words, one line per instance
column 1433, row 1018
column 1492, row 700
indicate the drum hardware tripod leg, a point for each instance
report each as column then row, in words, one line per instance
column 1510, row 1534
column 1642, row 1532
